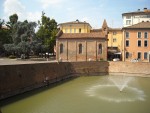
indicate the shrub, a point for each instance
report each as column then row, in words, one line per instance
column 12, row 57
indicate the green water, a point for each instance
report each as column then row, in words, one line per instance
column 92, row 94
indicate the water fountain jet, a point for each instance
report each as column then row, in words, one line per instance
column 120, row 81
column 116, row 88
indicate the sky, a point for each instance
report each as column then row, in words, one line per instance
column 91, row 11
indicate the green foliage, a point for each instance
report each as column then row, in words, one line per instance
column 9, row 48
column 20, row 39
column 13, row 19
column 23, row 31
column 5, row 37
column 24, row 47
column 22, row 34
column 47, row 32
column 12, row 57
column 1, row 23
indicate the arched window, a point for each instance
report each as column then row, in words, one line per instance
column 61, row 48
column 80, row 48
column 100, row 49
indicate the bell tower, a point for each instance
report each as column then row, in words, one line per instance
column 105, row 27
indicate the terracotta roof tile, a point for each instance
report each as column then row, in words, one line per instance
column 137, row 12
column 82, row 35
column 109, row 29
column 75, row 22
column 143, row 25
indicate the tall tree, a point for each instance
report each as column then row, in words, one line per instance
column 47, row 31
column 22, row 34
column 5, row 37
column 23, row 31
column 13, row 19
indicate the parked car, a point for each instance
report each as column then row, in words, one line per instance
column 135, row 60
column 116, row 59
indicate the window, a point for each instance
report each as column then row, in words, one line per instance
column 145, row 35
column 145, row 55
column 61, row 48
column 128, row 17
column 74, row 30
column 100, row 49
column 66, row 30
column 70, row 30
column 114, row 33
column 128, row 22
column 80, row 48
column 79, row 30
column 127, row 34
column 139, row 43
column 114, row 40
column 145, row 43
column 127, row 43
column 139, row 34
column 139, row 55
column 127, row 55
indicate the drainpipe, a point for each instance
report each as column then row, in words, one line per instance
column 123, row 41
column 67, row 50
column 149, row 56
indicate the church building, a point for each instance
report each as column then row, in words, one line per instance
column 76, row 42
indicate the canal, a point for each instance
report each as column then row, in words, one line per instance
column 86, row 94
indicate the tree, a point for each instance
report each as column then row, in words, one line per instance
column 5, row 37
column 10, row 49
column 1, row 23
column 47, row 32
column 22, row 33
column 12, row 20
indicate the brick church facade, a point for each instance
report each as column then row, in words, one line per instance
column 76, row 42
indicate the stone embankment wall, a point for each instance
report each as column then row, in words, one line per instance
column 130, row 68
column 16, row 79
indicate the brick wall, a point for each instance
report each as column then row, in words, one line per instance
column 89, row 49
column 15, row 79
column 130, row 68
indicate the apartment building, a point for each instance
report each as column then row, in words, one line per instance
column 131, row 18
column 137, row 42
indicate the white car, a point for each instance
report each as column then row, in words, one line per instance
column 116, row 59
column 134, row 60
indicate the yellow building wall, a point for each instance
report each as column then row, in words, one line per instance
column 115, row 39
column 75, row 28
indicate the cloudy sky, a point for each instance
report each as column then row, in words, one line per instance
column 92, row 11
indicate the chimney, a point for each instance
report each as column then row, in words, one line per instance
column 145, row 9
column 77, row 20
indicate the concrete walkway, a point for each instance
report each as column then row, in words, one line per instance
column 7, row 61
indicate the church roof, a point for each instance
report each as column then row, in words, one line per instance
column 109, row 29
column 81, row 35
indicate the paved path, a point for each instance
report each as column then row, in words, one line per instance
column 7, row 61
